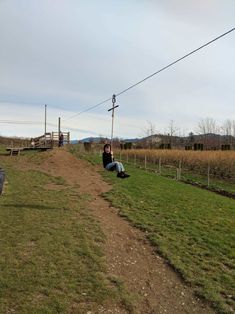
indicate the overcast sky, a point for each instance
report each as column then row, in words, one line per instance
column 72, row 54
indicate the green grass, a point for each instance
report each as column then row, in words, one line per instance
column 51, row 259
column 170, row 171
column 192, row 228
column 3, row 149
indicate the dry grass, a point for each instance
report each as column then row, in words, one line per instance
column 222, row 163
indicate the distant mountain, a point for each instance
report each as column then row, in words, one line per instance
column 93, row 139
column 74, row 141
column 98, row 139
column 133, row 140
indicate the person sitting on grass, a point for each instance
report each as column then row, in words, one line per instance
column 110, row 164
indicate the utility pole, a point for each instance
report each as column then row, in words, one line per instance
column 45, row 131
column 59, row 125
column 113, row 107
column 59, row 131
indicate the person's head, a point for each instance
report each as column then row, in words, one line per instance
column 107, row 148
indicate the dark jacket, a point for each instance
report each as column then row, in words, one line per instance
column 107, row 159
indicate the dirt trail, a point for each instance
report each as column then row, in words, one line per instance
column 158, row 289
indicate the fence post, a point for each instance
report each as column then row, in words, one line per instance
column 177, row 174
column 180, row 168
column 160, row 165
column 127, row 157
column 154, row 160
column 120, row 156
column 145, row 162
column 208, row 174
column 135, row 160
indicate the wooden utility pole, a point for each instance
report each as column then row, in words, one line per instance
column 113, row 107
column 45, row 130
column 59, row 131
column 59, row 126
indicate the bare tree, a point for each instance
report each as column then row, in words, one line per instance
column 172, row 130
column 207, row 125
column 227, row 127
column 210, row 130
column 233, row 128
column 149, row 131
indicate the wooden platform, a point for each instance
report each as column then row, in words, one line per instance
column 43, row 142
column 14, row 150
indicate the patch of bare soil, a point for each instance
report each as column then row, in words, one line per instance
column 156, row 286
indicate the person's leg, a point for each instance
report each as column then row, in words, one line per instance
column 111, row 165
column 121, row 171
column 120, row 167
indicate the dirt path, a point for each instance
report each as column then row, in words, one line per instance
column 157, row 288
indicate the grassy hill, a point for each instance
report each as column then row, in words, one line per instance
column 192, row 228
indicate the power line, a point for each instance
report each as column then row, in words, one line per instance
column 26, row 122
column 63, row 107
column 176, row 61
column 119, row 123
column 153, row 74
column 128, row 88
column 21, row 122
column 88, row 109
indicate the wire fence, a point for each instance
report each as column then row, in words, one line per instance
column 204, row 173
column 213, row 170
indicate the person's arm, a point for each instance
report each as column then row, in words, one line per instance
column 112, row 156
column 103, row 158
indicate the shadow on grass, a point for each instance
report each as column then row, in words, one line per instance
column 30, row 206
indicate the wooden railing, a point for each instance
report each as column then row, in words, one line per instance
column 50, row 140
column 43, row 141
column 55, row 137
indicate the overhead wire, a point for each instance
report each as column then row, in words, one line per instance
column 3, row 101
column 21, row 122
column 90, row 108
column 120, row 123
column 174, row 62
column 153, row 74
column 126, row 89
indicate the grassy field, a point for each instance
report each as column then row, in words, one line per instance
column 221, row 162
column 186, row 175
column 51, row 260
column 2, row 150
column 192, row 169
column 192, row 228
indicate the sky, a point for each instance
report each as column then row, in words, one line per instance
column 72, row 55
